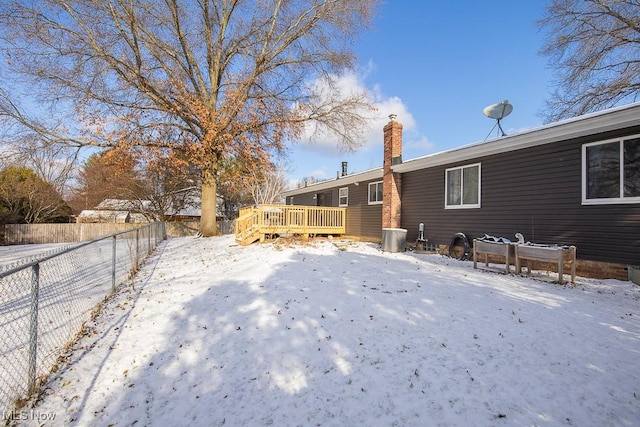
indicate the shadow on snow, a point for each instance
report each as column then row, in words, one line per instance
column 310, row 337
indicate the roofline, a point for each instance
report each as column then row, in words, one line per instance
column 588, row 124
column 340, row 181
column 602, row 121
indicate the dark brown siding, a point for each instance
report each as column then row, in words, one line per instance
column 534, row 191
column 363, row 220
column 302, row 199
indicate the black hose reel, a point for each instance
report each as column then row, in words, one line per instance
column 459, row 247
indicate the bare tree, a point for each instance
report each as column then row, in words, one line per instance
column 307, row 180
column 54, row 163
column 209, row 78
column 234, row 193
column 170, row 184
column 594, row 49
column 109, row 174
column 266, row 185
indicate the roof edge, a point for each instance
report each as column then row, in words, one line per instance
column 343, row 180
column 588, row 124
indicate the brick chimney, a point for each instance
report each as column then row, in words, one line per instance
column 391, row 182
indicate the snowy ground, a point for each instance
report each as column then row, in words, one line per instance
column 217, row 334
column 13, row 253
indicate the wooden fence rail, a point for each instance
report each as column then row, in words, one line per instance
column 23, row 234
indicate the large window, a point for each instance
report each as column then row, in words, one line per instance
column 375, row 193
column 462, row 187
column 611, row 171
column 343, row 197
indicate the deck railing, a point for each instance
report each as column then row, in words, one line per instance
column 254, row 223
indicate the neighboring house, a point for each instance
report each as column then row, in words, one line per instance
column 185, row 205
column 115, row 211
column 572, row 182
column 141, row 211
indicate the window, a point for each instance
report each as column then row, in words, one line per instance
column 343, row 197
column 611, row 171
column 375, row 193
column 462, row 187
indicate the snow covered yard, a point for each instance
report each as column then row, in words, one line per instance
column 217, row 334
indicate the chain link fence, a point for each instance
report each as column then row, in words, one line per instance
column 45, row 301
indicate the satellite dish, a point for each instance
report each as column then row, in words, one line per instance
column 498, row 112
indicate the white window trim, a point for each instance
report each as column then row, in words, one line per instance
column 612, row 200
column 340, row 196
column 446, row 188
column 378, row 202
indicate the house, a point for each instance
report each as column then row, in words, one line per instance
column 575, row 182
column 115, row 211
column 181, row 205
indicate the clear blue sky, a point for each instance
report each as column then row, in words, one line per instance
column 437, row 64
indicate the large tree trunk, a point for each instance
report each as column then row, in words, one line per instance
column 208, row 225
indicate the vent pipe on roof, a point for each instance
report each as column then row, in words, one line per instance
column 344, row 168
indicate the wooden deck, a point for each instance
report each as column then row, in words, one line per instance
column 255, row 223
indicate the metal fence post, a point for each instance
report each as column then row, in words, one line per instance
column 149, row 239
column 33, row 328
column 135, row 266
column 113, row 265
